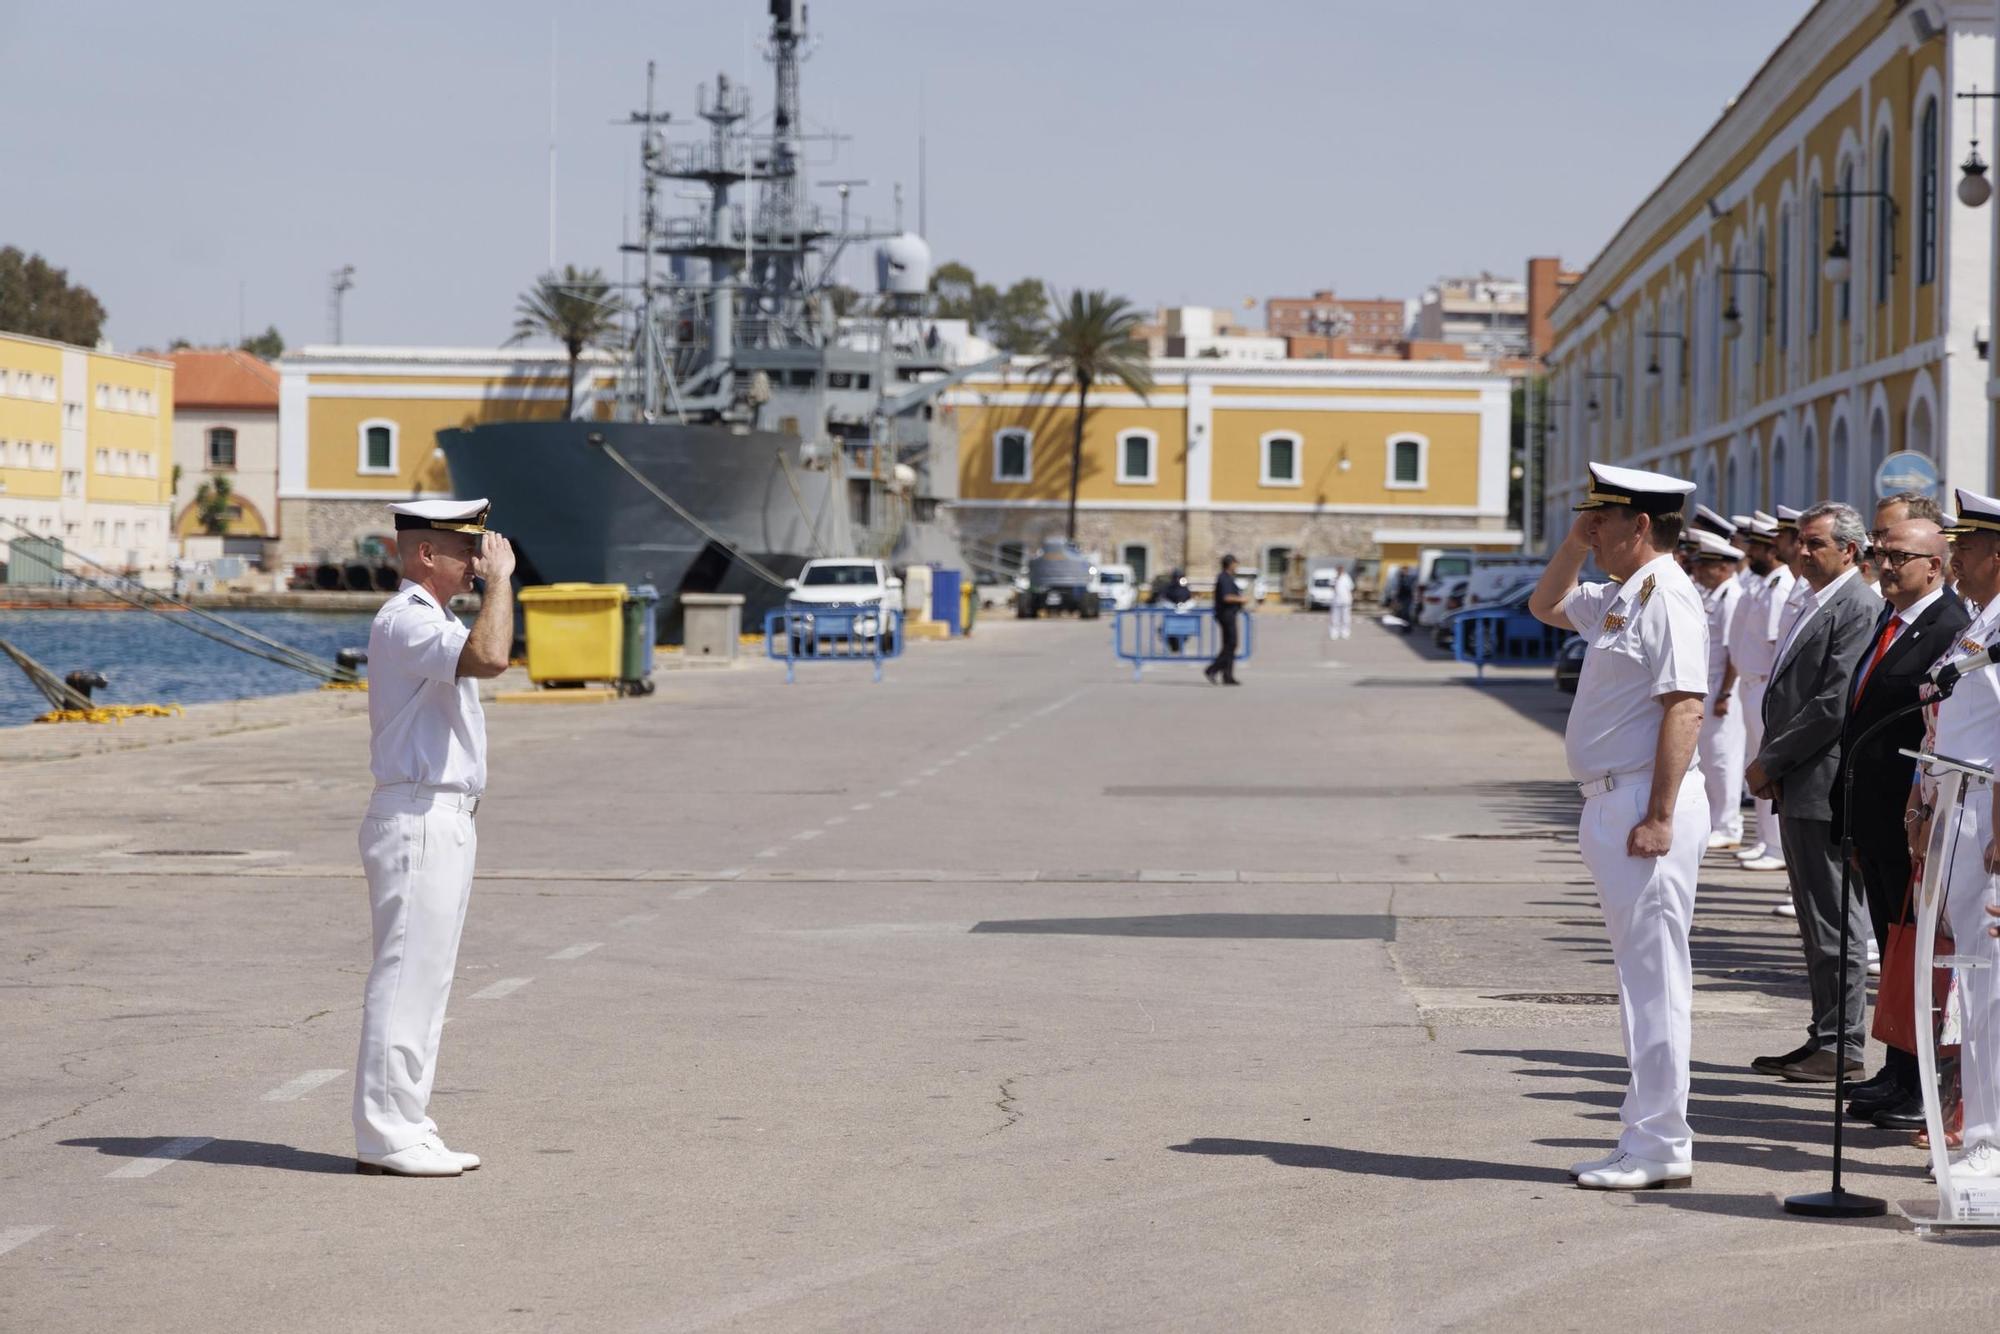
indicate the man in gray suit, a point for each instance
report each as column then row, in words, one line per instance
column 1805, row 707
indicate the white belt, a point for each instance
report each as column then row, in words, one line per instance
column 1597, row 787
column 431, row 795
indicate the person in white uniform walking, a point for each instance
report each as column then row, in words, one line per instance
column 1721, row 743
column 1340, row 606
column 1968, row 729
column 1631, row 744
column 427, row 749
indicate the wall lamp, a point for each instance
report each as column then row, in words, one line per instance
column 1653, row 363
column 1617, row 393
column 1548, row 427
column 1973, row 187
column 1839, row 268
column 1732, row 318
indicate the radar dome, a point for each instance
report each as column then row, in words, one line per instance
column 903, row 266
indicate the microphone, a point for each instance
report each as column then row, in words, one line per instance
column 1946, row 676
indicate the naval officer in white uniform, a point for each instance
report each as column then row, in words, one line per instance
column 1968, row 728
column 1631, row 747
column 1720, row 747
column 427, row 748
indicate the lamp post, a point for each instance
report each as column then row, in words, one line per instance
column 1732, row 318
column 1839, row 267
column 1617, row 392
column 1653, row 363
column 1973, row 187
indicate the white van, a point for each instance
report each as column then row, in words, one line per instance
column 1117, row 587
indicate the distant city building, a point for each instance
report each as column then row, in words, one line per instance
column 1548, row 281
column 1360, row 326
column 86, row 452
column 1203, row 331
column 1487, row 315
column 226, row 429
column 358, row 428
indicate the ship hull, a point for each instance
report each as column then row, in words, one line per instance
column 575, row 515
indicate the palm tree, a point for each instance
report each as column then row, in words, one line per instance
column 575, row 308
column 1089, row 341
column 212, row 505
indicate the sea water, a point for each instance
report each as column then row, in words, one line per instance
column 154, row 659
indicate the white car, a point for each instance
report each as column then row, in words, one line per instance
column 839, row 599
column 1116, row 587
column 1319, row 588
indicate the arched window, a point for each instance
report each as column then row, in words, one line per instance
column 1885, row 219
column 1920, row 428
column 1760, row 296
column 1878, row 449
column 1278, row 454
column 1138, row 452
column 1409, row 463
column 1927, row 194
column 1838, row 479
column 1778, row 492
column 1844, row 233
column 1784, row 277
column 1732, row 492
column 1808, row 479
column 1814, row 212
column 377, row 446
column 1013, row 455
column 221, row 447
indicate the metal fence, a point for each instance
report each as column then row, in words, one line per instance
column 1504, row 638
column 1140, row 635
column 870, row 634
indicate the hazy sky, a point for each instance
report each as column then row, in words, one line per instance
column 172, row 156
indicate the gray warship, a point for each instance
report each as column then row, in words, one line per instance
column 750, row 424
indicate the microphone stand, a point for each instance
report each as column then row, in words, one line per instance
column 1840, row 1202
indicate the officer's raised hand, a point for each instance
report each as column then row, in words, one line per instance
column 494, row 561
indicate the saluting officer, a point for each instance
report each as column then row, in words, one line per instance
column 1631, row 746
column 1968, row 729
column 427, row 748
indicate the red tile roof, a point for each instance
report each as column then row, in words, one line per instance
column 226, row 378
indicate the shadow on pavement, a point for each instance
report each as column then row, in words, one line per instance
column 224, row 1152
column 1207, row 926
column 1364, row 1162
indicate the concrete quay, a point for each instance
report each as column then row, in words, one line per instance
column 1005, row 994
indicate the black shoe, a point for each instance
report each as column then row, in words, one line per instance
column 1905, row 1115
column 1863, row 1106
column 1770, row 1065
column 1231, row 681
column 1209, row 672
column 1876, row 1085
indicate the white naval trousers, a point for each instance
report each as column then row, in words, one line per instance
column 1648, row 907
column 1750, row 692
column 1720, row 754
column 417, row 848
column 1967, row 893
column 1339, row 620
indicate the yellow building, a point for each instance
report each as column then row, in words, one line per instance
column 1802, row 296
column 1268, row 460
column 86, row 451
column 357, row 429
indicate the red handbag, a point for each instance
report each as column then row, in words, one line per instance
column 1895, row 1023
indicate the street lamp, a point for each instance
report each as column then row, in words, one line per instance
column 1617, row 393
column 1838, row 266
column 1973, row 187
column 1732, row 318
column 1653, row 363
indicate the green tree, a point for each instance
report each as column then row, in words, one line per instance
column 1019, row 320
column 211, row 505
column 270, row 345
column 39, row 300
column 576, row 309
column 957, row 289
column 1089, row 340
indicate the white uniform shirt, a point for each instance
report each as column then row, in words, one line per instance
column 1720, row 604
column 1968, row 724
column 1647, row 637
column 424, row 720
column 1343, row 590
column 1753, row 631
column 1795, row 606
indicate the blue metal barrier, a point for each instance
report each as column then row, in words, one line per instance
column 832, row 634
column 1140, row 635
column 1504, row 637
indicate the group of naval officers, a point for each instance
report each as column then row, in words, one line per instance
column 1757, row 653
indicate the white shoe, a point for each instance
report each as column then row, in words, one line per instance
column 1763, row 864
column 1874, row 960
column 1718, row 841
column 467, row 1162
column 1784, row 910
column 1627, row 1172
column 1981, row 1162
column 1751, row 853
column 425, row 1158
column 1596, row 1164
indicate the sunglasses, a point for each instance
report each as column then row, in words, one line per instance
column 1895, row 560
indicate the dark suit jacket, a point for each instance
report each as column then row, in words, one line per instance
column 1881, row 775
column 1805, row 704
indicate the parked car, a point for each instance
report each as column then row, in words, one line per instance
column 1512, row 599
column 1117, row 587
column 1319, row 587
column 1442, row 597
column 1569, row 664
column 1400, row 597
column 1059, row 579
column 836, row 599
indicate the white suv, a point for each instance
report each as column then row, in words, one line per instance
column 833, row 599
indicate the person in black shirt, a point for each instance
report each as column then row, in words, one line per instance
column 1229, row 601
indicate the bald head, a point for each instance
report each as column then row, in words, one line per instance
column 1911, row 556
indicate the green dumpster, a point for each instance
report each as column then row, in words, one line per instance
column 641, row 610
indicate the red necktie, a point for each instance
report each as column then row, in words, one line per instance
column 1881, row 647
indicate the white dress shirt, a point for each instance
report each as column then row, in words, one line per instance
column 1815, row 599
column 1753, row 632
column 1647, row 637
column 424, row 719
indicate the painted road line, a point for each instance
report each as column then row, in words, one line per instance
column 640, row 917
column 691, row 892
column 862, row 806
column 172, row 1151
column 293, row 1090
column 770, row 852
column 832, row 820
column 807, row 835
column 577, row 951
column 10, row 1237
column 506, row 986
column 886, row 792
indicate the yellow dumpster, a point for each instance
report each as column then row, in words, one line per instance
column 576, row 632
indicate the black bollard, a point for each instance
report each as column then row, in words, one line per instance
column 83, row 682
